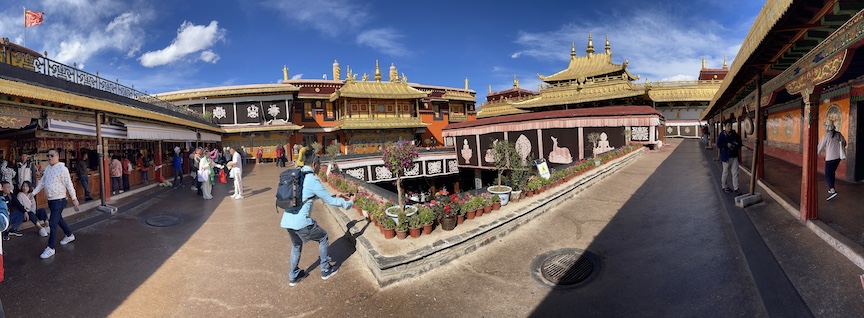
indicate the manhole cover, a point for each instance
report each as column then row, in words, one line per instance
column 162, row 220
column 565, row 268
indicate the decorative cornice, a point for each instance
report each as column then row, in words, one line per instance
column 381, row 123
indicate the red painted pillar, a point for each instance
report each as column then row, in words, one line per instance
column 809, row 203
column 157, row 156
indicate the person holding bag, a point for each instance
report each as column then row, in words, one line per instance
column 834, row 145
column 205, row 176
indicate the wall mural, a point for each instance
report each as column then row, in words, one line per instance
column 640, row 134
column 525, row 142
column 836, row 112
column 609, row 139
column 487, row 141
column 561, row 145
column 222, row 113
column 785, row 126
column 467, row 150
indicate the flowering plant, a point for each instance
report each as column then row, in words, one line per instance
column 398, row 157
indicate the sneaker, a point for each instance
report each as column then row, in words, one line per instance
column 16, row 233
column 237, row 197
column 43, row 231
column 194, row 188
column 113, row 192
column 67, row 240
column 727, row 190
column 327, row 274
column 88, row 199
column 831, row 196
column 47, row 253
column 300, row 277
column 121, row 191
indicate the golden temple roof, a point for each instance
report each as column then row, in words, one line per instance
column 459, row 95
column 498, row 109
column 257, row 128
column 683, row 91
column 587, row 66
column 582, row 93
column 200, row 93
column 382, row 123
column 382, row 90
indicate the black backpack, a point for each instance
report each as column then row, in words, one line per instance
column 289, row 192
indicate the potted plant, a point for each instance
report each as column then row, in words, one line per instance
column 478, row 204
column 519, row 172
column 427, row 217
column 388, row 227
column 448, row 216
column 362, row 204
column 469, row 208
column 487, row 203
column 594, row 138
column 414, row 225
column 330, row 153
column 402, row 226
column 502, row 152
column 496, row 202
column 399, row 157
column 429, row 142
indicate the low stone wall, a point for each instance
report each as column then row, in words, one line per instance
column 412, row 261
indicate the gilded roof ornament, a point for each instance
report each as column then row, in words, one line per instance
column 490, row 89
column 466, row 83
column 703, row 63
column 284, row 73
column 394, row 75
column 404, row 78
column 515, row 81
column 337, row 72
column 377, row 72
column 608, row 47
column 573, row 50
column 724, row 62
column 590, row 49
column 365, row 77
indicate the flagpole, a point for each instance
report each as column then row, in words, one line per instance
column 25, row 25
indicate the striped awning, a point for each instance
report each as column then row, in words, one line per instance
column 86, row 129
column 210, row 137
column 145, row 131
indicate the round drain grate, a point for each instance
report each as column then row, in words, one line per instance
column 565, row 268
column 163, row 220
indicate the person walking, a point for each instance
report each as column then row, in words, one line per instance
column 177, row 163
column 729, row 143
column 206, row 176
column 834, row 144
column 116, row 173
column 260, row 155
column 236, row 172
column 56, row 182
column 144, row 165
column 26, row 169
column 279, row 155
column 302, row 228
column 82, row 174
column 196, row 162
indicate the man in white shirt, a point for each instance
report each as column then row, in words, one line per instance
column 56, row 182
column 236, row 165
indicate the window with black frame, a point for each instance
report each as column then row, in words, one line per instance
column 308, row 111
column 437, row 112
column 329, row 112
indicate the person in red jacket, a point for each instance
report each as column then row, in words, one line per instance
column 127, row 167
column 280, row 152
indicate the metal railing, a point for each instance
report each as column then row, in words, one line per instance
column 35, row 62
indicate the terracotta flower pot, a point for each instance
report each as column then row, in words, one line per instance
column 415, row 233
column 402, row 234
column 460, row 219
column 487, row 209
column 388, row 233
column 448, row 224
column 529, row 194
column 470, row 215
column 523, row 195
column 496, row 206
column 478, row 213
column 427, row 229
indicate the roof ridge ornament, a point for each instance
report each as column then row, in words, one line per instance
column 724, row 62
column 377, row 72
column 703, row 63
column 590, row 49
column 515, row 81
column 608, row 47
column 573, row 50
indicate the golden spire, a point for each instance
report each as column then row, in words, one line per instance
column 515, row 81
column 490, row 89
column 377, row 72
column 538, row 87
column 284, row 73
column 394, row 75
column 590, row 49
column 466, row 83
column 608, row 47
column 337, row 72
column 703, row 63
column 350, row 75
column 573, row 50
column 724, row 62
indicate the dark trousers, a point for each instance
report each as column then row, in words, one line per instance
column 115, row 184
column 178, row 177
column 56, row 207
column 830, row 171
column 16, row 218
column 85, row 183
column 125, row 182
column 145, row 176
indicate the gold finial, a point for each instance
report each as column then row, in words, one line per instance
column 538, row 87
column 515, row 81
column 724, row 62
column 284, row 73
column 394, row 75
column 337, row 72
column 590, row 49
column 490, row 89
column 365, row 77
column 404, row 78
column 703, row 63
column 377, row 72
column 573, row 50
column 608, row 47
column 466, row 83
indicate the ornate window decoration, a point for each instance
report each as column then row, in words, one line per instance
column 219, row 112
column 274, row 110
column 252, row 111
column 640, row 134
column 434, row 167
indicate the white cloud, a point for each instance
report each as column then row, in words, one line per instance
column 297, row 77
column 384, row 40
column 658, row 44
column 516, row 55
column 190, row 38
column 332, row 17
column 679, row 77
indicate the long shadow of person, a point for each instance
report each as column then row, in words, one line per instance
column 344, row 246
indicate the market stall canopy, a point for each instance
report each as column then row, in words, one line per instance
column 210, row 137
column 145, row 131
column 86, row 129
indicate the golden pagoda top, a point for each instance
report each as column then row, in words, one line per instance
column 395, row 88
column 589, row 66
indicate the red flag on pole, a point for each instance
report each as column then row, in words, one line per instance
column 32, row 18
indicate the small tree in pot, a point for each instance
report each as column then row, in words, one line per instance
column 330, row 153
column 399, row 157
column 504, row 156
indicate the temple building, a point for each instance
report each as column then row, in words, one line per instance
column 359, row 114
column 594, row 80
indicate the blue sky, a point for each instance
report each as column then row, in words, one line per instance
column 166, row 45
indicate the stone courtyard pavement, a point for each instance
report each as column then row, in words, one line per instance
column 663, row 234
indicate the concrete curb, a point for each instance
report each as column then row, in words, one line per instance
column 848, row 248
column 391, row 269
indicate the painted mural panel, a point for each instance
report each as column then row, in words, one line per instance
column 248, row 112
column 222, row 113
column 837, row 113
column 487, row 158
column 467, row 150
column 640, row 134
column 561, row 145
column 608, row 138
column 785, row 126
column 525, row 142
